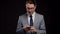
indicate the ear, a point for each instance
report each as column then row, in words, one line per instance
column 35, row 7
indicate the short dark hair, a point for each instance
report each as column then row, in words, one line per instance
column 31, row 2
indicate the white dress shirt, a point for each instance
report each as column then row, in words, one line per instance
column 33, row 16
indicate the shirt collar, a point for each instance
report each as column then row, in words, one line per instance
column 32, row 14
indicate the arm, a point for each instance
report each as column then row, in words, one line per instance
column 20, row 29
column 42, row 29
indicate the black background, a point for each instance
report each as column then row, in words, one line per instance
column 11, row 9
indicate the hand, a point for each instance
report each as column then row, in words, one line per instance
column 26, row 27
column 33, row 29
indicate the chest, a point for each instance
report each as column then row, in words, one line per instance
column 36, row 23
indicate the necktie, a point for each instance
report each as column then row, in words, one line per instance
column 31, row 21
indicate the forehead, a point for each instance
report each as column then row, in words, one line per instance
column 29, row 5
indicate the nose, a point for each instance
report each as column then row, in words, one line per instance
column 30, row 8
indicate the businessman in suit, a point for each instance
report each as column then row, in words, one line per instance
column 31, row 22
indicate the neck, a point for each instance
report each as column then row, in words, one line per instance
column 30, row 13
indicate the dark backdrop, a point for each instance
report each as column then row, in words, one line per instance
column 11, row 9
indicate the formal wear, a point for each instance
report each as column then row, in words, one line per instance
column 37, row 20
column 31, row 18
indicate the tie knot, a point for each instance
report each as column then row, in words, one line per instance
column 30, row 15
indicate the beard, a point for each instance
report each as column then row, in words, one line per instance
column 30, row 12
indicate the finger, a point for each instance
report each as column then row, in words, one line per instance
column 27, row 25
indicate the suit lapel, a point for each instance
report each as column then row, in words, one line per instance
column 35, row 20
column 25, row 19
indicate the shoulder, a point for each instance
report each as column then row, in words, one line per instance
column 22, row 16
column 39, row 15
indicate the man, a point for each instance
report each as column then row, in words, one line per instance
column 31, row 22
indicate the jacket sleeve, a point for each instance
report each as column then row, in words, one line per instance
column 20, row 29
column 42, row 29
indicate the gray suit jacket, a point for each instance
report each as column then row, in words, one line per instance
column 38, row 23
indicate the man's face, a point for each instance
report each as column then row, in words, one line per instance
column 30, row 8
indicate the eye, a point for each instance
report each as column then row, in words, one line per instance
column 31, row 8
